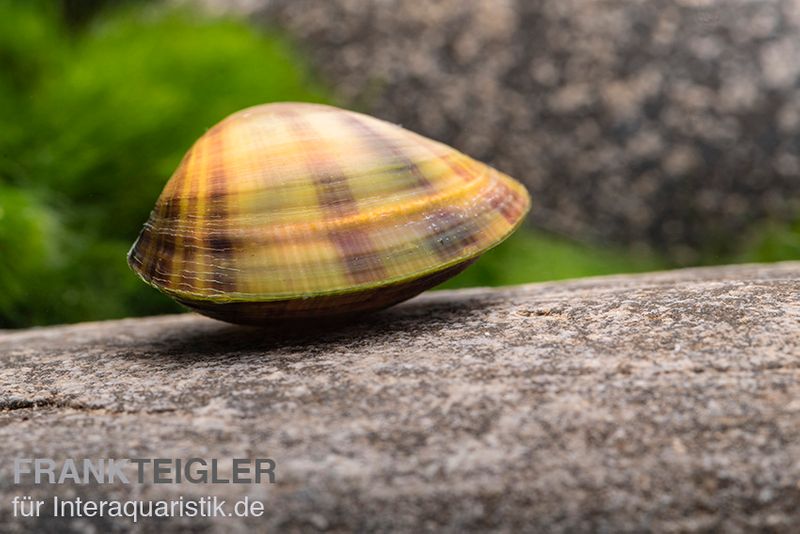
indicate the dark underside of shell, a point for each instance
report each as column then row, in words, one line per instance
column 328, row 309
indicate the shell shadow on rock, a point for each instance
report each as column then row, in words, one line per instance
column 230, row 343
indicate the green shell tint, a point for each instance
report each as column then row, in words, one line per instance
column 291, row 211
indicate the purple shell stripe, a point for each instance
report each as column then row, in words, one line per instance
column 335, row 197
column 381, row 143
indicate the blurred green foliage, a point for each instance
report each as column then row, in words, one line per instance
column 772, row 242
column 95, row 118
column 532, row 256
column 93, row 123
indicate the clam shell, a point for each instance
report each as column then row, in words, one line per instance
column 293, row 209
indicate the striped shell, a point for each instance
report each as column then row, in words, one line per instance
column 291, row 210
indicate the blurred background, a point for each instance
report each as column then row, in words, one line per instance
column 652, row 135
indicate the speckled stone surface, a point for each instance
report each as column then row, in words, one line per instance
column 665, row 401
column 670, row 123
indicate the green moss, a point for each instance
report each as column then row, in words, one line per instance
column 30, row 253
column 94, row 123
column 773, row 242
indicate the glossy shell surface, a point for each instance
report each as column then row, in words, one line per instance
column 297, row 210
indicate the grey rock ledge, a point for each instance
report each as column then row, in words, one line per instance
column 666, row 401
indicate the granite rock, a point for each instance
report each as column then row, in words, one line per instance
column 665, row 401
column 674, row 124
